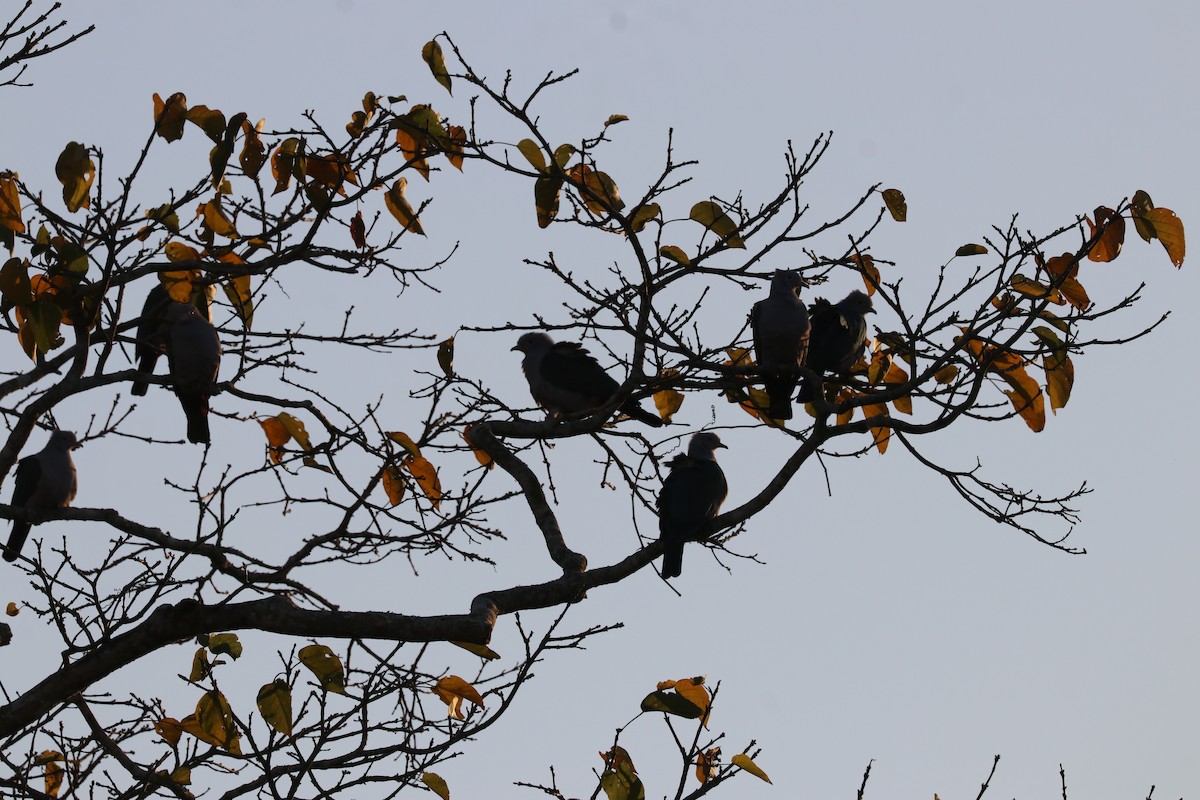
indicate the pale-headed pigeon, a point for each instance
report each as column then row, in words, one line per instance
column 781, row 327
column 194, row 353
column 691, row 495
column 43, row 482
column 564, row 378
column 151, row 334
column 839, row 333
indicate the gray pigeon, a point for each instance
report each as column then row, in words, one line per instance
column 43, row 482
column 194, row 353
column 691, row 495
column 780, row 326
column 839, row 333
column 151, row 334
column 564, row 378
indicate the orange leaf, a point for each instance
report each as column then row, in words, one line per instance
column 1108, row 246
column 1169, row 230
column 870, row 274
column 881, row 434
column 170, row 115
column 481, row 456
column 358, row 231
column 10, row 205
column 452, row 690
column 427, row 478
column 393, row 484
column 455, row 144
column 277, row 437
column 706, row 764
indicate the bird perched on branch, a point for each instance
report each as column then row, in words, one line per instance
column 151, row 335
column 43, row 482
column 781, row 328
column 691, row 495
column 564, row 378
column 194, row 353
column 839, row 333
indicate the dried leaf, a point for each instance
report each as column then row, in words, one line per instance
column 393, row 484
column 445, row 356
column 614, row 119
column 971, row 250
column 643, row 214
column 1139, row 207
column 435, row 781
column 596, row 189
column 1169, row 231
column 480, row 455
column 405, row 441
column 358, row 231
column 277, row 437
column 896, row 204
column 946, row 374
column 870, row 274
column 481, row 650
column 707, row 763
column 453, row 690
column 75, row 172
column 674, row 253
column 399, row 207
column 296, row 428
column 1108, row 246
column 427, row 478
column 433, row 56
column 11, row 609
column 169, row 116
column 10, row 205
column 882, row 434
column 456, row 142
column 533, row 154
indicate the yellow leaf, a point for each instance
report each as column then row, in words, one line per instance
column 870, row 273
column 971, row 250
column 216, row 220
column 275, row 704
column 277, row 437
column 54, row 771
column 745, row 762
column 1035, row 289
column 213, row 723
column 881, row 434
column 398, row 205
column 427, row 478
column 712, row 216
column 896, row 204
column 533, row 154
column 643, row 214
column 178, row 252
column 1169, row 231
column 692, row 689
column 456, row 141
column 1108, row 246
column 667, row 402
column 480, row 455
column 241, row 297
column 1060, row 377
column 433, row 56
column 11, row 609
column 296, row 428
column 613, row 119
column 222, row 644
column 201, row 669
column 326, row 666
column 453, row 690
column 481, row 650
column 435, row 781
column 596, row 189
column 674, row 253
column 405, row 441
column 169, row 116
column 393, row 484
column 170, row 729
column 946, row 374
column 76, row 172
column 10, row 205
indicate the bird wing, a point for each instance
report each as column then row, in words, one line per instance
column 26, row 480
column 577, row 379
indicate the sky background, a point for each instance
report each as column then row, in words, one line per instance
column 888, row 622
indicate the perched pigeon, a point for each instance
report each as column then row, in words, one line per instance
column 151, row 334
column 691, row 495
column 194, row 353
column 780, row 326
column 43, row 482
column 564, row 378
column 839, row 331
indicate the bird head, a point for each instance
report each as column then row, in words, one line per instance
column 787, row 280
column 64, row 440
column 704, row 445
column 177, row 312
column 857, row 302
column 532, row 342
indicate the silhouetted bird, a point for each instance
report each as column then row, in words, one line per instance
column 781, row 328
column 691, row 495
column 564, row 378
column 151, row 334
column 43, row 482
column 839, row 333
column 194, row 353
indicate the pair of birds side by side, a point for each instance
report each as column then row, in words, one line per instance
column 825, row 337
column 43, row 482
column 193, row 352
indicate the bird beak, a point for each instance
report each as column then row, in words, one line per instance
column 722, row 446
column 514, row 348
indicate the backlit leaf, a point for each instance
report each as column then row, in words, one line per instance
column 547, row 194
column 1065, row 270
column 671, row 703
column 358, row 230
column 216, row 220
column 745, row 762
column 1060, row 378
column 14, row 282
column 398, row 205
column 169, row 116
column 674, row 253
column 667, row 402
column 432, row 53
column 393, row 484
column 166, row 215
column 277, row 437
column 622, row 783
column 456, row 141
column 283, row 163
column 1035, row 289
column 533, row 154
column 481, row 650
column 213, row 722
column 896, row 204
column 881, row 434
column 405, row 441
column 480, row 455
column 1108, row 246
column 643, row 214
column 209, row 120
column 712, row 216
column 254, row 152
column 870, row 274
column 1169, row 229
column 946, row 374
column 1139, row 207
column 596, row 189
column 435, row 781
column 706, row 764
column 692, row 689
column 170, row 729
column 445, row 356
column 75, row 172
column 453, row 690
column 275, row 704
column 321, row 661
column 201, row 669
column 54, row 772
column 224, row 644
column 10, row 205
column 614, row 119
column 331, row 170
column 11, row 609
column 971, row 250
column 427, row 478
column 296, row 428
column 563, row 153
column 241, row 297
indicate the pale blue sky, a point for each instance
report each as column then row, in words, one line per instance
column 888, row 622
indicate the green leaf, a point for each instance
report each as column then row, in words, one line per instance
column 225, row 644
column 326, row 666
column 432, row 53
column 76, row 172
column 563, row 153
column 671, row 703
column 614, row 119
column 896, row 204
column 201, row 669
column 971, row 250
column 275, row 704
column 547, row 193
column 713, row 217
